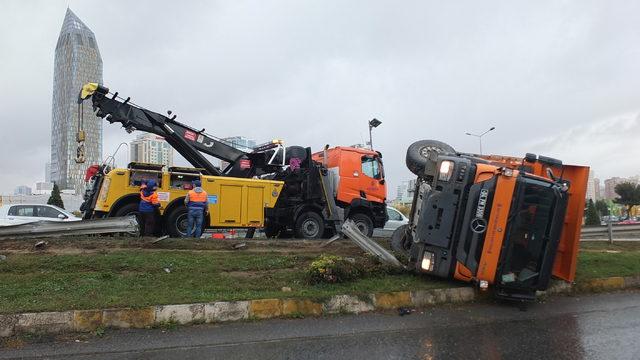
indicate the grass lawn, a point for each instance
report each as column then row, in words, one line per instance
column 46, row 282
column 130, row 277
column 599, row 259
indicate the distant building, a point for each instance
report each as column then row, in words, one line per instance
column 22, row 190
column 43, row 188
column 238, row 142
column 405, row 192
column 77, row 62
column 241, row 142
column 47, row 172
column 597, row 189
column 591, row 190
column 610, row 185
column 153, row 149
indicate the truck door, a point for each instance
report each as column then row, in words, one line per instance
column 372, row 181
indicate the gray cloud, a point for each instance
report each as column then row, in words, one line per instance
column 553, row 77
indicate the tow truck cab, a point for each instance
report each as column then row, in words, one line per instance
column 502, row 221
column 360, row 186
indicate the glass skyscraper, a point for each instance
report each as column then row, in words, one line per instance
column 77, row 61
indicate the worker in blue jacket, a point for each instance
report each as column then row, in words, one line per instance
column 149, row 203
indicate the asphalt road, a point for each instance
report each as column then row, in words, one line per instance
column 603, row 326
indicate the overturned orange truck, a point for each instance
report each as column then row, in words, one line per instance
column 506, row 222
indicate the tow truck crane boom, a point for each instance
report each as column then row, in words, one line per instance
column 189, row 142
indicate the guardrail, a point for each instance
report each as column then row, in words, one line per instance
column 605, row 229
column 608, row 230
column 84, row 227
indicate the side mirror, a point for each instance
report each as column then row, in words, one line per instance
column 61, row 217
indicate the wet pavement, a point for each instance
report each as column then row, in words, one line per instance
column 601, row 326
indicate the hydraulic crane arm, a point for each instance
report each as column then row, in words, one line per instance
column 189, row 142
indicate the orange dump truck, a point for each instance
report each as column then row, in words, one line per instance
column 506, row 222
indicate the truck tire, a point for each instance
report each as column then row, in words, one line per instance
column 363, row 223
column 176, row 222
column 127, row 210
column 419, row 160
column 401, row 241
column 309, row 226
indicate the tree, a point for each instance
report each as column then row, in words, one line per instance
column 602, row 208
column 629, row 195
column 55, row 198
column 592, row 217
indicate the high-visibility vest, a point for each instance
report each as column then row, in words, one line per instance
column 148, row 203
column 197, row 199
column 151, row 199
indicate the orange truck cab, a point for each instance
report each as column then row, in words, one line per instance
column 508, row 222
column 359, row 184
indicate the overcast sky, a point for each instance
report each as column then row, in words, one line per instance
column 558, row 78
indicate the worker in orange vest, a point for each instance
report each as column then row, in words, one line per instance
column 149, row 203
column 197, row 204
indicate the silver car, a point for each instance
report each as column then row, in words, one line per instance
column 15, row 214
column 396, row 219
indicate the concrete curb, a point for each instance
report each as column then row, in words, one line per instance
column 224, row 311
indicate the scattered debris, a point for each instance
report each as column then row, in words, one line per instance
column 40, row 245
column 168, row 268
column 160, row 239
column 405, row 311
column 286, row 289
column 239, row 246
column 3, row 257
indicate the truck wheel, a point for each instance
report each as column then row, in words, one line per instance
column 309, row 225
column 131, row 209
column 421, row 156
column 401, row 241
column 363, row 223
column 176, row 222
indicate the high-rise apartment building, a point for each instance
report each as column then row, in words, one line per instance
column 77, row 61
column 591, row 190
column 610, row 187
column 596, row 188
column 152, row 149
column 238, row 142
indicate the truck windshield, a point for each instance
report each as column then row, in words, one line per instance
column 529, row 232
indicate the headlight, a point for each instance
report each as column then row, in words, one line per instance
column 104, row 190
column 428, row 259
column 446, row 170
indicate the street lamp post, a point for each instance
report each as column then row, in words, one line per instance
column 479, row 136
column 373, row 123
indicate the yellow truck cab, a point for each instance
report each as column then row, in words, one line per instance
column 233, row 202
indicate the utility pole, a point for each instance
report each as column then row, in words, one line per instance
column 479, row 136
column 373, row 123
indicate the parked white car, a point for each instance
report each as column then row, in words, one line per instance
column 396, row 219
column 15, row 214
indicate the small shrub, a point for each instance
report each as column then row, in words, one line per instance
column 332, row 269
